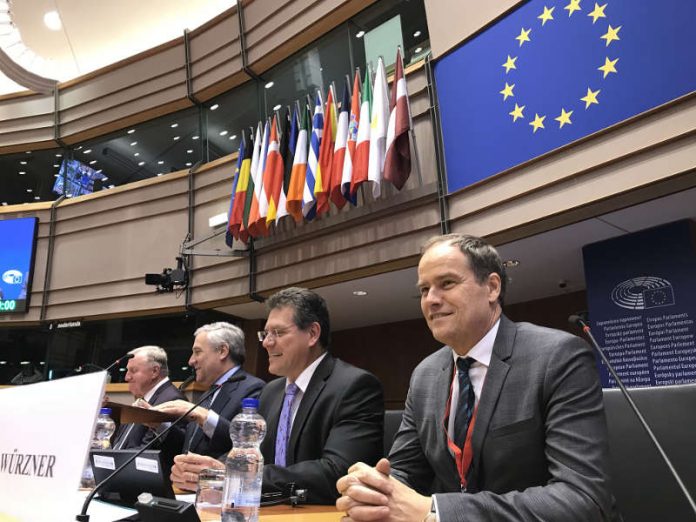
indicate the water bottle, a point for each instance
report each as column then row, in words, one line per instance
column 103, row 431
column 244, row 468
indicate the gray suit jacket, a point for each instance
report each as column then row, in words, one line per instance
column 539, row 442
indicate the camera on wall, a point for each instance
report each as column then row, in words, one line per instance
column 170, row 278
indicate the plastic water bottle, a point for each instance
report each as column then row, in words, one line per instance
column 244, row 469
column 101, row 439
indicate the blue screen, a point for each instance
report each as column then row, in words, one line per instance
column 75, row 179
column 17, row 242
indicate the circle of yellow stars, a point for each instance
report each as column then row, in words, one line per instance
column 591, row 97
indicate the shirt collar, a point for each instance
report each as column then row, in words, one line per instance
column 481, row 352
column 152, row 391
column 229, row 373
column 302, row 381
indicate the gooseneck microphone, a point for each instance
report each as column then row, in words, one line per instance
column 96, row 367
column 83, row 516
column 118, row 361
column 578, row 321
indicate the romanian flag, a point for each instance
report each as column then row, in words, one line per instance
column 339, row 152
column 299, row 168
column 257, row 223
column 273, row 176
column 251, row 189
column 351, row 139
column 309, row 202
column 322, row 186
column 378, row 129
column 241, row 182
column 397, row 164
column 288, row 140
column 362, row 146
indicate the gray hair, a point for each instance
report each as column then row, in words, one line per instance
column 225, row 333
column 154, row 355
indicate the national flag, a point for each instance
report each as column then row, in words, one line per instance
column 322, row 187
column 241, row 182
column 397, row 164
column 378, row 129
column 347, row 170
column 362, row 145
column 288, row 140
column 299, row 168
column 339, row 152
column 273, row 175
column 309, row 202
column 251, row 188
column 257, row 222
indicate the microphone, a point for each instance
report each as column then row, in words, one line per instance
column 90, row 366
column 187, row 381
column 126, row 357
column 578, row 321
column 83, row 516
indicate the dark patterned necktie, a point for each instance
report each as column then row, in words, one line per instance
column 207, row 403
column 465, row 403
column 285, row 425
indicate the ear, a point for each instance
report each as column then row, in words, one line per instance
column 224, row 352
column 494, row 285
column 314, row 331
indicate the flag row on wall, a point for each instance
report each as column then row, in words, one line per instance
column 318, row 155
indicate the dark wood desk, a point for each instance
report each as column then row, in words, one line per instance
column 285, row 513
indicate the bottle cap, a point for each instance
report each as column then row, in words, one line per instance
column 105, row 411
column 250, row 403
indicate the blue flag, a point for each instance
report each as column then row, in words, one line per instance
column 552, row 72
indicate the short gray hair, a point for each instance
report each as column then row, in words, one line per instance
column 154, row 355
column 225, row 333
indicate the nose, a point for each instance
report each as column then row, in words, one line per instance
column 430, row 297
column 268, row 340
column 191, row 361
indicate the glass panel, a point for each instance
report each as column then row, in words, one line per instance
column 27, row 177
column 227, row 115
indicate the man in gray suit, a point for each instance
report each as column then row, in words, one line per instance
column 504, row 423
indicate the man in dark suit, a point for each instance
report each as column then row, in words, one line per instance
column 504, row 423
column 147, row 377
column 218, row 355
column 322, row 414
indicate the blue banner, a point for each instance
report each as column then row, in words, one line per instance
column 552, row 72
column 17, row 242
column 641, row 292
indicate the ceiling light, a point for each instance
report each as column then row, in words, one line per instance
column 56, row 175
column 360, row 34
column 56, row 165
column 213, row 107
column 27, row 152
column 511, row 263
column 87, row 151
column 160, row 162
column 190, row 151
column 277, row 107
column 176, row 137
column 417, row 50
column 24, row 362
column 416, row 34
column 112, row 186
column 37, row 198
column 30, row 191
column 141, row 164
column 269, row 85
column 52, row 20
column 136, row 154
column 223, row 133
column 92, row 162
column 195, row 137
column 131, row 131
column 134, row 143
column 159, row 174
column 22, row 172
column 59, row 155
column 78, row 147
column 233, row 137
column 174, row 125
column 188, row 163
column 22, row 162
column 99, row 172
column 359, row 293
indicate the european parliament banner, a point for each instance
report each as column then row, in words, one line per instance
column 641, row 292
column 552, row 72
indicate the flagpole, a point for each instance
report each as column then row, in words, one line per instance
column 411, row 130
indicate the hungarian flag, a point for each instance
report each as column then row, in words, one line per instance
column 339, row 152
column 322, row 186
column 309, row 201
column 251, row 188
column 362, row 145
column 288, row 140
column 257, row 222
column 378, row 129
column 237, row 199
column 397, row 165
column 299, row 168
column 273, row 175
column 351, row 139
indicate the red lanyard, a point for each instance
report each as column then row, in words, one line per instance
column 462, row 457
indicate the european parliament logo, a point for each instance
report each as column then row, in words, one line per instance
column 553, row 72
column 642, row 293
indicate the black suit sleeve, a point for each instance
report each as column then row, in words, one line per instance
column 221, row 443
column 354, row 433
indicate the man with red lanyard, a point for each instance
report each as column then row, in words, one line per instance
column 504, row 423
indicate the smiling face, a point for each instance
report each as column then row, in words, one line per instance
column 292, row 350
column 141, row 375
column 209, row 361
column 458, row 309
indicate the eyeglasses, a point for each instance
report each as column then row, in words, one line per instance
column 272, row 334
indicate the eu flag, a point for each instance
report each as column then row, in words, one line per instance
column 553, row 72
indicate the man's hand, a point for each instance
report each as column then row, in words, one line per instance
column 187, row 467
column 179, row 407
column 369, row 494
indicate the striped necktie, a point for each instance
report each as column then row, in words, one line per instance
column 285, row 425
column 465, row 403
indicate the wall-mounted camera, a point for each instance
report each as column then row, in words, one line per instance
column 170, row 278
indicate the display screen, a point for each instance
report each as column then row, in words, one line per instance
column 17, row 247
column 76, row 178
